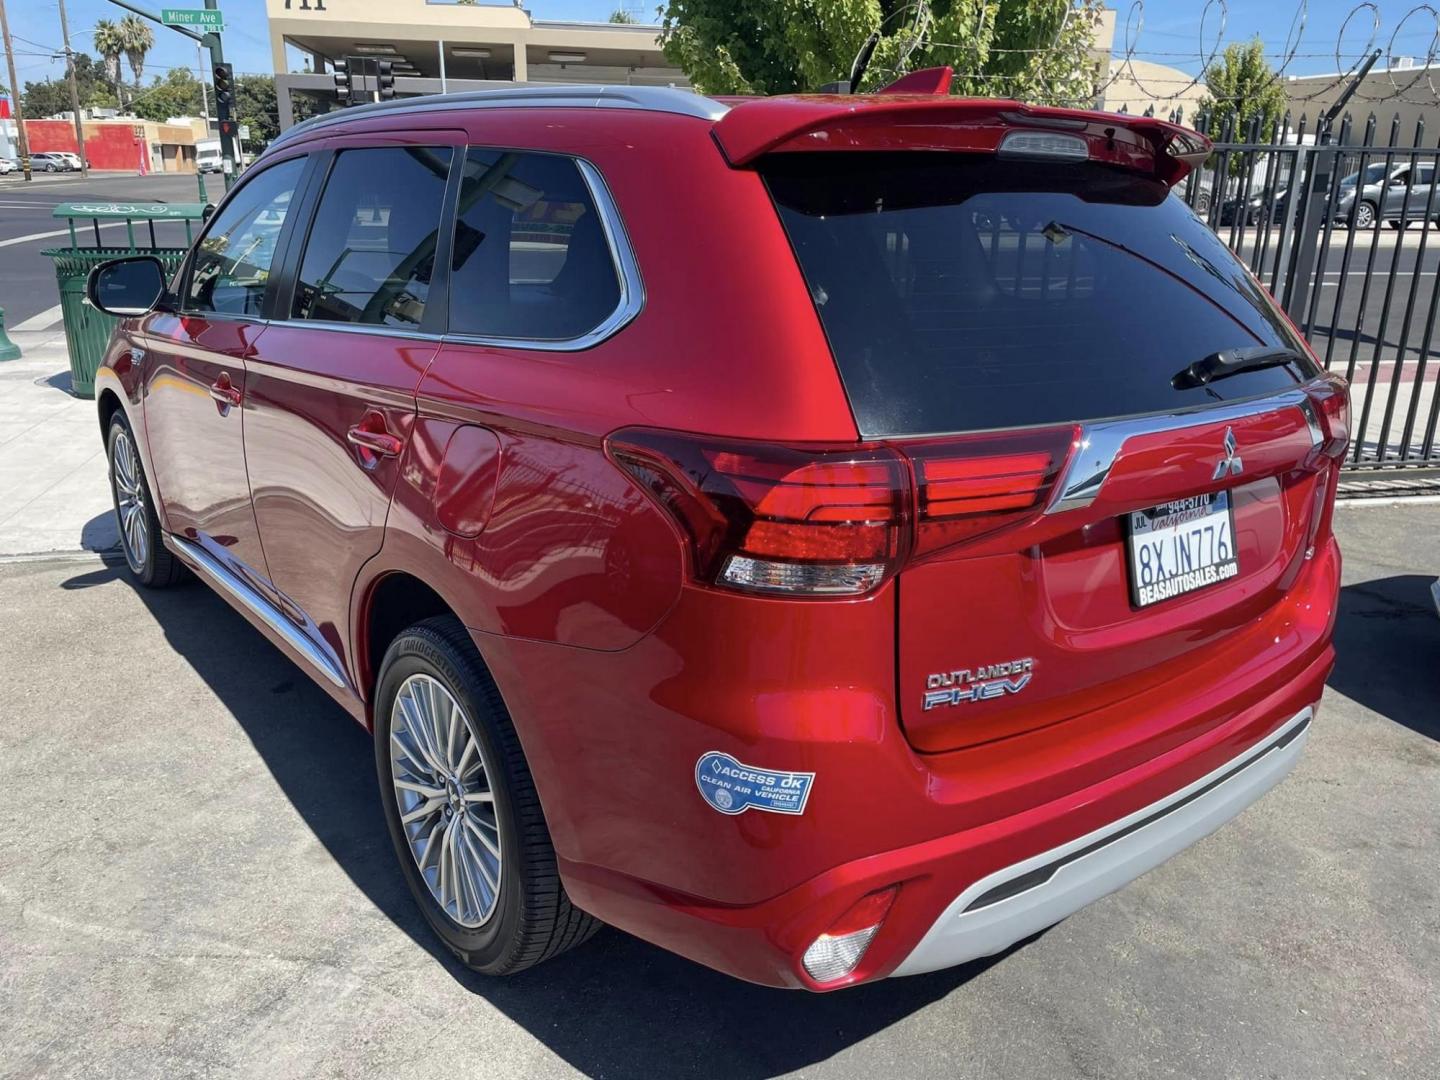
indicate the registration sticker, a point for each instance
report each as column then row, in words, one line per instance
column 733, row 787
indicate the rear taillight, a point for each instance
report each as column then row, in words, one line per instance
column 1331, row 396
column 835, row 521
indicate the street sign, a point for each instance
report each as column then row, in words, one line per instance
column 202, row 19
column 244, row 132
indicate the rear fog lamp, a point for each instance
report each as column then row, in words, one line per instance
column 834, row 954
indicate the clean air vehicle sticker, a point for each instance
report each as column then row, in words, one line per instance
column 732, row 787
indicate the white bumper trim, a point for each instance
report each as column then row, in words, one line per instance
column 1011, row 904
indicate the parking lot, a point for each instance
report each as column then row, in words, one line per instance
column 195, row 880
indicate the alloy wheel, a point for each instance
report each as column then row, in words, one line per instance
column 130, row 501
column 1364, row 216
column 447, row 806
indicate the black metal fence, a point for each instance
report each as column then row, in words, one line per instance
column 1338, row 225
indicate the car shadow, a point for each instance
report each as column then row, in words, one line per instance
column 616, row 1006
column 1387, row 650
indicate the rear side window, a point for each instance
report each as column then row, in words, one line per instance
column 963, row 292
column 531, row 258
column 231, row 264
column 371, row 252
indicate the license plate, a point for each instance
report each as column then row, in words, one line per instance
column 1178, row 547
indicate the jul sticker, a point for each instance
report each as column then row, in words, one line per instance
column 733, row 787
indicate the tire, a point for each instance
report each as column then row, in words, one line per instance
column 1365, row 216
column 524, row 917
column 1398, row 226
column 140, row 537
column 1202, row 203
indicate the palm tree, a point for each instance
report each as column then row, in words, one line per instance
column 110, row 44
column 138, row 39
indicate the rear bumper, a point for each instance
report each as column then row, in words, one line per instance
column 1011, row 904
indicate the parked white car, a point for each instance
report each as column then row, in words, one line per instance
column 7, row 166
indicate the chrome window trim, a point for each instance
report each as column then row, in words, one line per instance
column 1100, row 443
column 213, row 571
column 622, row 256
column 662, row 99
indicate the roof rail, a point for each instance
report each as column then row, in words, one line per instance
column 641, row 98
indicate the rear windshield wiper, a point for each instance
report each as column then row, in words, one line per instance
column 1233, row 361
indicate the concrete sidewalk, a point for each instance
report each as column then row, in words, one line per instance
column 54, row 491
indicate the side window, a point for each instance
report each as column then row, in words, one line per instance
column 231, row 264
column 371, row 251
column 531, row 259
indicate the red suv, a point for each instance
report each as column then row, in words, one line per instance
column 828, row 537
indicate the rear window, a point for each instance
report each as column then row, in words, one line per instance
column 964, row 292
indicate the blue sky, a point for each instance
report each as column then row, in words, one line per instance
column 1170, row 32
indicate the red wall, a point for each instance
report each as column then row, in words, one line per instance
column 107, row 146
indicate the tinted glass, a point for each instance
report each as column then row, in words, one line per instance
column 961, row 292
column 371, row 251
column 531, row 257
column 231, row 265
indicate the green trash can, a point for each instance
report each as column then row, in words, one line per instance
column 87, row 331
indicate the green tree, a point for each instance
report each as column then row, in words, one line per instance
column 177, row 93
column 1035, row 50
column 50, row 96
column 138, row 39
column 110, row 44
column 1242, row 85
column 620, row 15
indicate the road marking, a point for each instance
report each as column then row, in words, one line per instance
column 42, row 321
column 57, row 232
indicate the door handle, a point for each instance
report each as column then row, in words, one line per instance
column 224, row 392
column 373, row 440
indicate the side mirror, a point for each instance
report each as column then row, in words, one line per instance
column 133, row 285
column 208, row 212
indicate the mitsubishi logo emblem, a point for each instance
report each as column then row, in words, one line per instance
column 1229, row 464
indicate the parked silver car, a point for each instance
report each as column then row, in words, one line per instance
column 1397, row 194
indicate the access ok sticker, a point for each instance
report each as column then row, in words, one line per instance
column 733, row 787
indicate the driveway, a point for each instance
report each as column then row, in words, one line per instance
column 195, row 879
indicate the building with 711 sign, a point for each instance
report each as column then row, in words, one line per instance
column 435, row 47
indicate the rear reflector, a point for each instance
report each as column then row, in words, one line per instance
column 834, row 954
column 839, row 522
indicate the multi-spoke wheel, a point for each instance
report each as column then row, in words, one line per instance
column 135, row 515
column 442, row 788
column 462, row 808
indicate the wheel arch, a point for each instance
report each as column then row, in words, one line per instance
column 394, row 600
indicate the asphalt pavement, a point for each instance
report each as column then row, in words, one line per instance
column 195, row 880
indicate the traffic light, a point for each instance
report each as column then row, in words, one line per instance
column 224, row 89
column 385, row 79
column 343, row 90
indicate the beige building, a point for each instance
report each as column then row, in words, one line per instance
column 1406, row 90
column 444, row 46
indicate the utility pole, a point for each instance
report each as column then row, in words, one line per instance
column 15, row 94
column 74, row 94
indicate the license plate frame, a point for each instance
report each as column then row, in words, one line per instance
column 1191, row 539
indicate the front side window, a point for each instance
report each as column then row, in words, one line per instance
column 531, row 258
column 231, row 265
column 371, row 252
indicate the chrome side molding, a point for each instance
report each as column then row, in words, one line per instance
column 1100, row 444
column 216, row 574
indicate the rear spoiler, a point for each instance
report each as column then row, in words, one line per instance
column 896, row 119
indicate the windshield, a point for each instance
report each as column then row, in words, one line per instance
column 962, row 292
column 1373, row 175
